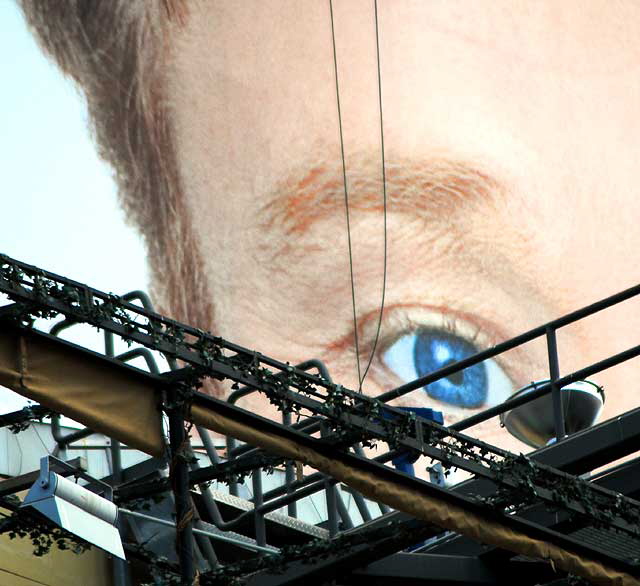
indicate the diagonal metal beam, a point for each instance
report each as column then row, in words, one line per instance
column 323, row 568
column 24, row 415
column 433, row 569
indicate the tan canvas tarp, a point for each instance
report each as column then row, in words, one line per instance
column 414, row 502
column 105, row 397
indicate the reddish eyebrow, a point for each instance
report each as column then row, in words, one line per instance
column 429, row 190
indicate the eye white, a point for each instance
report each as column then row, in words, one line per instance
column 398, row 358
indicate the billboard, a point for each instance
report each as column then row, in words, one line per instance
column 287, row 164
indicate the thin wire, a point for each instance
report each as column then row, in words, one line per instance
column 384, row 199
column 346, row 198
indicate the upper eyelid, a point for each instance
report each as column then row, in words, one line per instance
column 409, row 318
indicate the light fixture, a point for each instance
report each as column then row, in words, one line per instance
column 533, row 422
column 76, row 509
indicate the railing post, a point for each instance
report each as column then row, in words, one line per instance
column 180, row 481
column 289, row 470
column 554, row 375
column 331, row 498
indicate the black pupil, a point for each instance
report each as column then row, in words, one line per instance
column 457, row 378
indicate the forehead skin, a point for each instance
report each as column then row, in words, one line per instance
column 539, row 98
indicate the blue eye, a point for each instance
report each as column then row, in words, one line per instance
column 429, row 349
column 433, row 350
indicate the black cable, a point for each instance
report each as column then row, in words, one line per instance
column 384, row 199
column 346, row 198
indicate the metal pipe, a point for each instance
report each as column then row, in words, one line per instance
column 116, row 461
column 180, row 483
column 121, row 574
column 259, row 524
column 289, row 470
column 141, row 353
column 62, row 440
column 332, row 508
column 208, row 445
column 140, row 296
column 218, row 536
column 109, row 345
column 384, row 509
column 361, row 504
column 204, row 544
column 209, row 501
column 295, row 496
column 554, row 375
column 347, row 523
column 357, row 497
column 62, row 325
column 265, row 508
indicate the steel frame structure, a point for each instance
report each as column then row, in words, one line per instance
column 347, row 418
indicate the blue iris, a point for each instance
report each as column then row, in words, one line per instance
column 435, row 349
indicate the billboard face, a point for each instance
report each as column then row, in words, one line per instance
column 511, row 138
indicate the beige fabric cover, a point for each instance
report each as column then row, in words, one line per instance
column 104, row 397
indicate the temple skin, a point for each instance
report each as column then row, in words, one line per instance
column 512, row 136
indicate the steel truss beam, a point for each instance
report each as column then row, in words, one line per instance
column 283, row 384
column 373, row 543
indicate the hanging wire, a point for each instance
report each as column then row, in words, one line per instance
column 346, row 198
column 384, row 200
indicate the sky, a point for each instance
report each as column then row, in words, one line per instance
column 59, row 202
column 59, row 206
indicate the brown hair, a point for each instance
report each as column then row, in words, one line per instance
column 115, row 50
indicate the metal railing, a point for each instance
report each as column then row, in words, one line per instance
column 555, row 383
